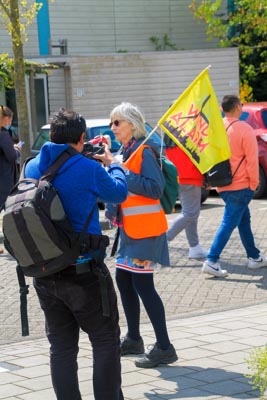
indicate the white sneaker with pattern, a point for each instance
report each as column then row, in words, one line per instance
column 214, row 268
column 256, row 263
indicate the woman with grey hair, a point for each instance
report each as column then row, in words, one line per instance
column 142, row 227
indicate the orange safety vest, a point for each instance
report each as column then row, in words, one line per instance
column 142, row 216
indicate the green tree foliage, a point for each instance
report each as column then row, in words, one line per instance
column 16, row 15
column 242, row 24
column 6, row 71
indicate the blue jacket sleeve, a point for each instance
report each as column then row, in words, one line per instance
column 111, row 184
column 150, row 182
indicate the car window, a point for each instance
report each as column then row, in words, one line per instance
column 42, row 137
column 264, row 118
column 105, row 130
column 244, row 116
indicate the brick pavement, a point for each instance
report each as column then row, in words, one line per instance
column 185, row 291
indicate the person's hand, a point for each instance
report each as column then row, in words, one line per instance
column 17, row 147
column 106, row 158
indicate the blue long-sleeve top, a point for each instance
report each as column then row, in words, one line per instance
column 80, row 183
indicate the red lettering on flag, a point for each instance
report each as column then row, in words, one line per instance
column 193, row 112
column 177, row 118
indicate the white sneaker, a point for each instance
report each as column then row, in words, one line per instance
column 197, row 252
column 256, row 263
column 214, row 268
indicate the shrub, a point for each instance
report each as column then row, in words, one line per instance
column 257, row 363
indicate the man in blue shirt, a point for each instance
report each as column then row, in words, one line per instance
column 77, row 296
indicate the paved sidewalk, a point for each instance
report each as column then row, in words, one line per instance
column 212, row 350
column 213, row 323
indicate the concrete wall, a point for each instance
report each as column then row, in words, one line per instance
column 101, row 26
column 106, row 26
column 150, row 80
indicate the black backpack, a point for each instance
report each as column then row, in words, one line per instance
column 221, row 174
column 38, row 233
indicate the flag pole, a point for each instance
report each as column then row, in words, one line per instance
column 144, row 141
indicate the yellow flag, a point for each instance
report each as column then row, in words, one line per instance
column 195, row 124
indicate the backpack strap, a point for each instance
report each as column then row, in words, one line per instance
column 242, row 159
column 240, row 162
column 54, row 167
column 57, row 164
column 236, row 120
column 23, row 290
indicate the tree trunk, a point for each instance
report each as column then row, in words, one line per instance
column 19, row 80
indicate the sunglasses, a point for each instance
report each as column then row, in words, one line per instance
column 116, row 122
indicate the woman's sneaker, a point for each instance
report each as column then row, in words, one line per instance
column 214, row 268
column 256, row 263
column 197, row 252
column 130, row 346
column 157, row 356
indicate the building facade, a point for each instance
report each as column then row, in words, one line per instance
column 105, row 55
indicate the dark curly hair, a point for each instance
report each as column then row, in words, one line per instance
column 67, row 127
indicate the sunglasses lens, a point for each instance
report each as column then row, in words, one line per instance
column 116, row 123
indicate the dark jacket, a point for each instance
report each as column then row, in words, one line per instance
column 8, row 166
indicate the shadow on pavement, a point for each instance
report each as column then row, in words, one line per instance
column 193, row 381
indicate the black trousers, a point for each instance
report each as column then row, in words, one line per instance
column 70, row 302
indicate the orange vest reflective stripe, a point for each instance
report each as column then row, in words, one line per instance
column 143, row 217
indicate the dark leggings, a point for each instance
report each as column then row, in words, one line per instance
column 130, row 286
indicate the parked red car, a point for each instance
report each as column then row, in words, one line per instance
column 255, row 114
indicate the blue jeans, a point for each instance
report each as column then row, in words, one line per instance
column 236, row 214
column 71, row 302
